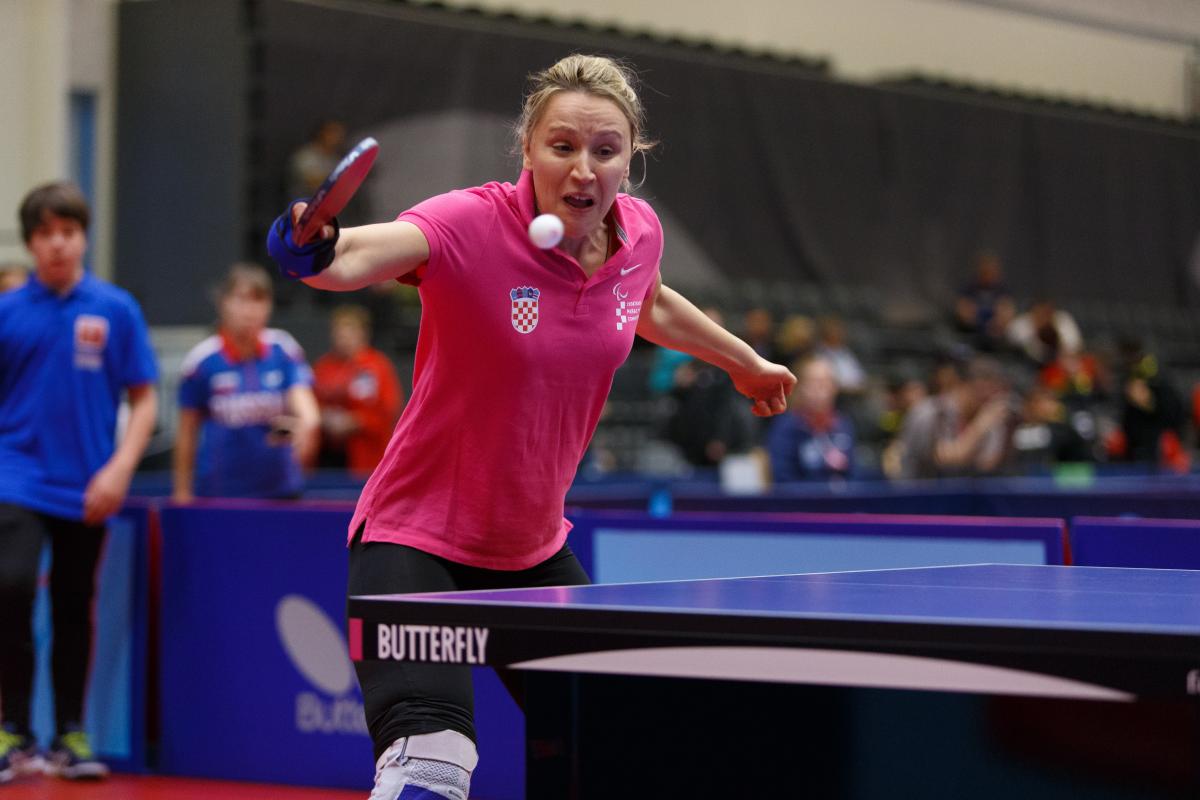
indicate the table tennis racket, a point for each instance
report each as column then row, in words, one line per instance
column 336, row 190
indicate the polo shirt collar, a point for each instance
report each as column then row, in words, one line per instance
column 39, row 289
column 230, row 351
column 525, row 197
column 527, row 207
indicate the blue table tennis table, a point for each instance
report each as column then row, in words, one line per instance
column 812, row 681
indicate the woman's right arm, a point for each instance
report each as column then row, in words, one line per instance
column 369, row 254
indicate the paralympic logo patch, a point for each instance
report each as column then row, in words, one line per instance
column 318, row 650
column 627, row 311
column 525, row 308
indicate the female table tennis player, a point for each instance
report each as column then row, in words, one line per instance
column 515, row 357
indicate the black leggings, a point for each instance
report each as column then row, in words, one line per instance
column 404, row 699
column 75, row 550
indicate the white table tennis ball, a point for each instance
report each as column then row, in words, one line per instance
column 546, row 231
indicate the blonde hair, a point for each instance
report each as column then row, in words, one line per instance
column 599, row 76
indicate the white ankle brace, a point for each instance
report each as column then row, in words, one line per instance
column 449, row 746
column 440, row 763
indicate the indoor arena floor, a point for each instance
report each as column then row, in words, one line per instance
column 142, row 787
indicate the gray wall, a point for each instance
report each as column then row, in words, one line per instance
column 182, row 150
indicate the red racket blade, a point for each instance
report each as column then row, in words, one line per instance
column 333, row 194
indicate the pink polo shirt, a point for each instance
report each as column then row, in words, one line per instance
column 514, row 361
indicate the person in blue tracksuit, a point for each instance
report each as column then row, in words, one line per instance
column 248, row 419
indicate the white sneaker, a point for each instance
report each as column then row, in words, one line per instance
column 71, row 757
column 19, row 756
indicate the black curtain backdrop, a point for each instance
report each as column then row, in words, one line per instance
column 774, row 170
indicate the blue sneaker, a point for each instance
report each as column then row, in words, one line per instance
column 19, row 755
column 71, row 757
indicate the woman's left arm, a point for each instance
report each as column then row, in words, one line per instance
column 669, row 319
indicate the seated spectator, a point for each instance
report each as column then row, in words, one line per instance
column 12, row 276
column 759, row 332
column 247, row 416
column 710, row 419
column 812, row 441
column 1079, row 380
column 847, row 371
column 903, row 394
column 947, row 375
column 984, row 307
column 666, row 362
column 312, row 162
column 359, row 395
column 1044, row 333
column 1083, row 385
column 1046, row 436
column 664, row 369
column 794, row 339
column 962, row 432
column 1152, row 414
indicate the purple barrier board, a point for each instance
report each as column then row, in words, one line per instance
column 256, row 682
column 622, row 547
column 1121, row 542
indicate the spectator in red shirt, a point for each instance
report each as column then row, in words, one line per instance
column 359, row 394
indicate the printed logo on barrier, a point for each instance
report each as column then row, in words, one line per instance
column 525, row 308
column 318, row 651
column 442, row 644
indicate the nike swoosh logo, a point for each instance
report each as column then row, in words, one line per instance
column 626, row 270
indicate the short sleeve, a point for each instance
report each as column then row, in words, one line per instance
column 457, row 225
column 193, row 387
column 296, row 371
column 640, row 216
column 138, row 363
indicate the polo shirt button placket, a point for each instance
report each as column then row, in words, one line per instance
column 581, row 307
